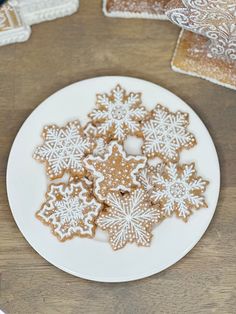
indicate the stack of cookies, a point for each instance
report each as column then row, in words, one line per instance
column 99, row 185
column 207, row 46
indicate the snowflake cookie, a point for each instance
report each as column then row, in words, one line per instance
column 100, row 143
column 119, row 114
column 165, row 134
column 145, row 176
column 179, row 190
column 63, row 149
column 129, row 218
column 69, row 211
column 85, row 180
column 115, row 171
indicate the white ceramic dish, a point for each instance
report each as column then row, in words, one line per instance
column 94, row 259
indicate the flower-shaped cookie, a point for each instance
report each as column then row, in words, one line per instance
column 63, row 149
column 119, row 114
column 70, row 211
column 179, row 190
column 129, row 218
column 115, row 171
column 165, row 134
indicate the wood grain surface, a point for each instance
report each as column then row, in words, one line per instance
column 85, row 45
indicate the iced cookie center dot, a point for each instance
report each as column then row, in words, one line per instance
column 177, row 190
column 118, row 112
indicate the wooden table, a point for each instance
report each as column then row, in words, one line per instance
column 83, row 46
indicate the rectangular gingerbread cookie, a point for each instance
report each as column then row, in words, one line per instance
column 12, row 28
column 149, row 9
column 37, row 11
column 192, row 57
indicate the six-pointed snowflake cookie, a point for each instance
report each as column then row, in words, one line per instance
column 165, row 134
column 100, row 142
column 145, row 176
column 63, row 149
column 115, row 171
column 69, row 211
column 129, row 218
column 119, row 114
column 85, row 180
column 179, row 190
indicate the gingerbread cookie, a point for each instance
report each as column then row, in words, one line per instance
column 69, row 211
column 115, row 171
column 100, row 143
column 179, row 190
column 129, row 218
column 12, row 28
column 213, row 19
column 192, row 56
column 119, row 114
column 63, row 149
column 216, row 58
column 145, row 175
column 37, row 11
column 85, row 180
column 149, row 9
column 165, row 134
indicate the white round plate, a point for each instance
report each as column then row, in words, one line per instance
column 94, row 259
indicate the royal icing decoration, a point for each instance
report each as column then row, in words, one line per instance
column 37, row 11
column 69, row 211
column 211, row 18
column 150, row 9
column 192, row 57
column 12, row 28
column 17, row 15
column 100, row 143
column 115, row 171
column 119, row 114
column 63, row 149
column 129, row 218
column 86, row 182
column 165, row 134
column 179, row 190
column 145, row 176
